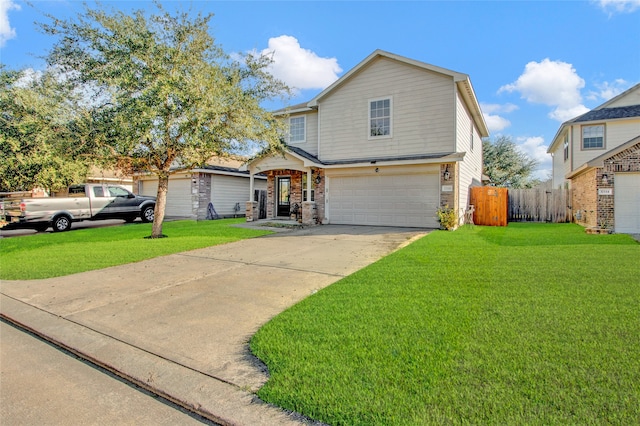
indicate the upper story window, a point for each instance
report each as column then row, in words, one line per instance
column 593, row 137
column 566, row 147
column 297, row 129
column 380, row 118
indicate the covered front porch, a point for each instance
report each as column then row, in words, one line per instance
column 295, row 189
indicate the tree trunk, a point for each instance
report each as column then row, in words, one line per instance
column 161, row 203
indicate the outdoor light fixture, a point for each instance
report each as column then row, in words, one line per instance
column 318, row 178
column 377, row 170
column 446, row 174
column 605, row 179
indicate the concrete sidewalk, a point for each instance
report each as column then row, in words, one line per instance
column 179, row 325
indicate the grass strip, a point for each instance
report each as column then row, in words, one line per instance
column 57, row 254
column 527, row 324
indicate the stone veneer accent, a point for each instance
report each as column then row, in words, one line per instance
column 201, row 193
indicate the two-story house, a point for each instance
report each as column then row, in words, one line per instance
column 387, row 144
column 597, row 156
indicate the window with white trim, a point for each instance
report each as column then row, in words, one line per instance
column 593, row 137
column 380, row 118
column 566, row 147
column 297, row 129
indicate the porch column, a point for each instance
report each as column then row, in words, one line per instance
column 309, row 183
column 251, row 195
column 251, row 210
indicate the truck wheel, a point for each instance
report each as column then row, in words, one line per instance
column 147, row 214
column 61, row 223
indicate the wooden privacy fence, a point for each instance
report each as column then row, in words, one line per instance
column 490, row 205
column 539, row 205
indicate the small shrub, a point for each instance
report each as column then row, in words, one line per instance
column 447, row 217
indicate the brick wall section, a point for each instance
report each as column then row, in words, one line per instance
column 624, row 161
column 585, row 199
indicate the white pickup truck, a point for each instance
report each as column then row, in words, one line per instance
column 84, row 202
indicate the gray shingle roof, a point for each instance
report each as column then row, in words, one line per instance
column 372, row 160
column 609, row 114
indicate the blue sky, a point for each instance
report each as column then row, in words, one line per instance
column 533, row 64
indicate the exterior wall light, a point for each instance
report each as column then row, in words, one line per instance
column 446, row 175
column 318, row 178
column 605, row 179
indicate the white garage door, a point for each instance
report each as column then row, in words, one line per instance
column 396, row 200
column 178, row 196
column 627, row 203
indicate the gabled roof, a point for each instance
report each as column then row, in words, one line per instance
column 599, row 161
column 601, row 113
column 608, row 114
column 462, row 81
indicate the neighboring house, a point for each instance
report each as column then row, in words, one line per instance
column 597, row 155
column 388, row 143
column 225, row 184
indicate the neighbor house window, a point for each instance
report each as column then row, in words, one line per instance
column 380, row 118
column 297, row 127
column 566, row 147
column 304, row 188
column 593, row 137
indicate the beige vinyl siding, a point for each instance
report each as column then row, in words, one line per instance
column 422, row 113
column 226, row 191
column 558, row 167
column 617, row 132
column 471, row 167
column 632, row 98
column 311, row 143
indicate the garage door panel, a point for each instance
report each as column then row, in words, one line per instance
column 178, row 196
column 396, row 200
column 627, row 203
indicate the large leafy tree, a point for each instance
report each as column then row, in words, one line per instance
column 506, row 166
column 166, row 97
column 42, row 129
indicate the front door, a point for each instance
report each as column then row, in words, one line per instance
column 284, row 193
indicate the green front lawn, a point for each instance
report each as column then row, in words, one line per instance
column 57, row 254
column 528, row 324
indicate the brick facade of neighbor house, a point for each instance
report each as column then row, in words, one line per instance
column 593, row 208
column 624, row 161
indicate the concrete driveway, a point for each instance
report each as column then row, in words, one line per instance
column 179, row 325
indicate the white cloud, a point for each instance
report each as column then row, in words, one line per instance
column 619, row 6
column 607, row 90
column 6, row 32
column 552, row 83
column 300, row 68
column 536, row 149
column 495, row 122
